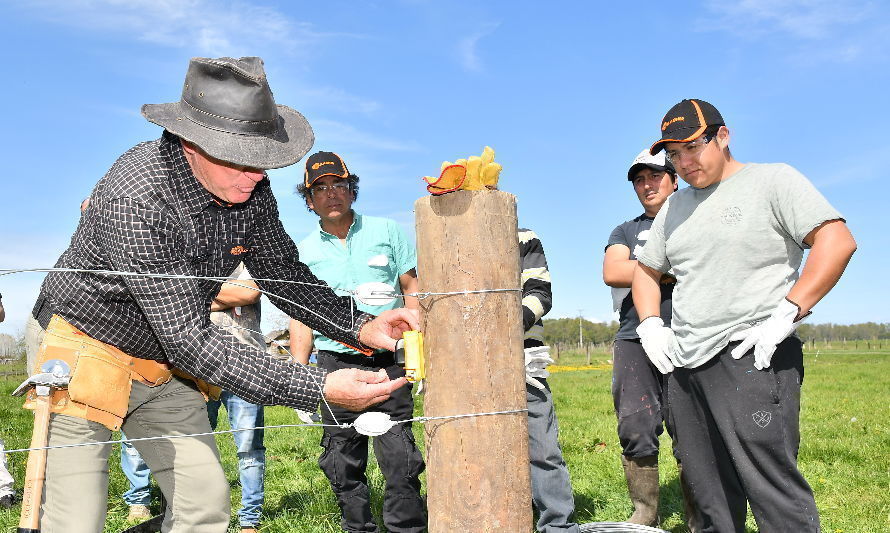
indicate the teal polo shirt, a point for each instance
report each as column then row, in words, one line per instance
column 376, row 250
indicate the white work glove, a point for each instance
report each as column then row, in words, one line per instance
column 308, row 418
column 659, row 343
column 764, row 337
column 536, row 361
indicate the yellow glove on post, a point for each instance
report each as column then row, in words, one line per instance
column 472, row 174
column 450, row 179
column 490, row 171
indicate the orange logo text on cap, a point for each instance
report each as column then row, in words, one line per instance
column 316, row 166
column 238, row 250
column 665, row 125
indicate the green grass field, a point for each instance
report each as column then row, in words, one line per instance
column 845, row 450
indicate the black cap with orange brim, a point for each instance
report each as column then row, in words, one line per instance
column 686, row 122
column 322, row 164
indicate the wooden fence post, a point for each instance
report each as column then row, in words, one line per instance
column 477, row 467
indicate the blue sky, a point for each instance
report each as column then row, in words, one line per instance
column 566, row 92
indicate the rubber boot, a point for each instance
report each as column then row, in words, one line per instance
column 693, row 522
column 642, row 485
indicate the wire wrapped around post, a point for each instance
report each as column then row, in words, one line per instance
column 477, row 468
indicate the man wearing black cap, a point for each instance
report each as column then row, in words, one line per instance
column 177, row 215
column 351, row 251
column 636, row 383
column 735, row 241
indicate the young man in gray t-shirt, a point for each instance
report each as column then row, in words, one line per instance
column 637, row 386
column 734, row 240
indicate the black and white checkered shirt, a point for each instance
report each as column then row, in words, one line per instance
column 149, row 214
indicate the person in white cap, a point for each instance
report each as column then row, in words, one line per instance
column 735, row 240
column 636, row 383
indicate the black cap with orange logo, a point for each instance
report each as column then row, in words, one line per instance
column 686, row 122
column 322, row 164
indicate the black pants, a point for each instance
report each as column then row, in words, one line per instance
column 737, row 435
column 637, row 395
column 345, row 455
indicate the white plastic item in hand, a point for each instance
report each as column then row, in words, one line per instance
column 375, row 293
column 306, row 417
column 373, row 423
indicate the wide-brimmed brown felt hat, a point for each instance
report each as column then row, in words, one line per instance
column 227, row 109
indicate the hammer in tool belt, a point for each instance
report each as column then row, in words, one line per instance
column 54, row 375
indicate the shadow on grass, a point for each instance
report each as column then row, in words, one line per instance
column 587, row 507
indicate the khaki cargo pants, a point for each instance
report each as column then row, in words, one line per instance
column 188, row 470
column 108, row 386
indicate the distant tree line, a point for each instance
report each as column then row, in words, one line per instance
column 840, row 332
column 564, row 331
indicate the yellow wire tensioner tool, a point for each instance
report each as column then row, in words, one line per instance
column 409, row 353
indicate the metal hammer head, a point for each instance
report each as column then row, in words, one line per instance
column 55, row 374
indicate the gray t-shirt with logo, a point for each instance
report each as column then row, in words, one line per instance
column 735, row 248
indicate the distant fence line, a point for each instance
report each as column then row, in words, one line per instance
column 855, row 344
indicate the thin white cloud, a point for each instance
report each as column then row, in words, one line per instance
column 853, row 169
column 808, row 33
column 335, row 99
column 806, row 19
column 333, row 133
column 467, row 48
column 214, row 28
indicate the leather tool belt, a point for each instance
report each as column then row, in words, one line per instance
column 101, row 375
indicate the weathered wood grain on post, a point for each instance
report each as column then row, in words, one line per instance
column 477, row 468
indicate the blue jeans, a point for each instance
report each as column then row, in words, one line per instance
column 551, row 486
column 251, row 453
column 137, row 473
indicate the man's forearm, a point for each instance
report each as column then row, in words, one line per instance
column 236, row 293
column 646, row 291
column 833, row 246
column 618, row 267
column 300, row 342
column 409, row 285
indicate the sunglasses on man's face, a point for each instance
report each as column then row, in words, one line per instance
column 336, row 188
column 693, row 149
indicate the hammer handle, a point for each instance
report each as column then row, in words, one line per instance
column 29, row 522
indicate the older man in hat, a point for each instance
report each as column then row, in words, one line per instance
column 177, row 215
column 735, row 240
